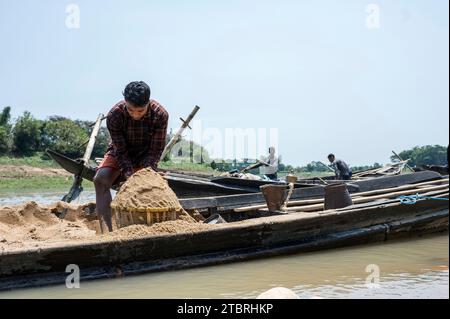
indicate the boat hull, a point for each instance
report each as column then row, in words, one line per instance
column 248, row 239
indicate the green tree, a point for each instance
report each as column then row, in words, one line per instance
column 5, row 116
column 5, row 131
column 377, row 165
column 64, row 136
column 182, row 151
column 425, row 155
column 5, row 140
column 26, row 134
column 101, row 142
column 316, row 167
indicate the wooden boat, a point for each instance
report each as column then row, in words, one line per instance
column 317, row 191
column 392, row 169
column 190, row 186
column 251, row 232
column 185, row 186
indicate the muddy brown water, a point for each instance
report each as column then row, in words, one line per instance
column 416, row 268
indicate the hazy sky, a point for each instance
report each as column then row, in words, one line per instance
column 312, row 69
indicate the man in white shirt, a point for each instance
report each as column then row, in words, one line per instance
column 271, row 170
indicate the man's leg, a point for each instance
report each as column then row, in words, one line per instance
column 103, row 181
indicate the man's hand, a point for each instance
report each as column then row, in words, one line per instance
column 124, row 178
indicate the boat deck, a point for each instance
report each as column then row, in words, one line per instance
column 244, row 239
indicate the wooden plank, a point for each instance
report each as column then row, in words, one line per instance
column 235, row 201
column 418, row 187
column 425, row 192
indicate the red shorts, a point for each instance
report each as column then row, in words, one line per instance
column 110, row 161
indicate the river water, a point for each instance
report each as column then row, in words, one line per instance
column 416, row 268
column 43, row 198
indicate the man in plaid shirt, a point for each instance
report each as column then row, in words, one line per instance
column 138, row 128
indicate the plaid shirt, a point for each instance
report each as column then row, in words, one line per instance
column 137, row 144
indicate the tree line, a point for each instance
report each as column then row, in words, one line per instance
column 28, row 135
column 425, row 155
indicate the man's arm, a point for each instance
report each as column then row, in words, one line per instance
column 115, row 128
column 158, row 142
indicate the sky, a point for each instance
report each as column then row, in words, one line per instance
column 356, row 78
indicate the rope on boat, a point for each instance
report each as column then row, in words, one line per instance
column 413, row 199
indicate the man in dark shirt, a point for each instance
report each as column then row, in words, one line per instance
column 138, row 128
column 342, row 170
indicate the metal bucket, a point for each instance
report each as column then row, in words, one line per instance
column 275, row 196
column 337, row 196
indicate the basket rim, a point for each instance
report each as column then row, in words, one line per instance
column 169, row 209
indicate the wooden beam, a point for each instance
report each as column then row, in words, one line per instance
column 371, row 198
column 356, row 195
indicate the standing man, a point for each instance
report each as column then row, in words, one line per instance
column 138, row 128
column 341, row 169
column 271, row 168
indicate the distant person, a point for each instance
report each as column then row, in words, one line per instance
column 341, row 169
column 138, row 128
column 271, row 169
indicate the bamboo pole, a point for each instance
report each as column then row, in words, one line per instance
column 407, row 165
column 441, row 194
column 175, row 139
column 372, row 198
column 91, row 143
column 356, row 195
column 403, row 187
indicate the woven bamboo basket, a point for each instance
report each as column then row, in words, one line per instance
column 144, row 215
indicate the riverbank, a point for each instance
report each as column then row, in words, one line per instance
column 26, row 178
column 36, row 174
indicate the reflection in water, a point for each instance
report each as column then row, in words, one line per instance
column 409, row 269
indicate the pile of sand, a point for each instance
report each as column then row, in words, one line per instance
column 32, row 225
column 29, row 225
column 169, row 227
column 146, row 189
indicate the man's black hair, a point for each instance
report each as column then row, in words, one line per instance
column 331, row 155
column 137, row 93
